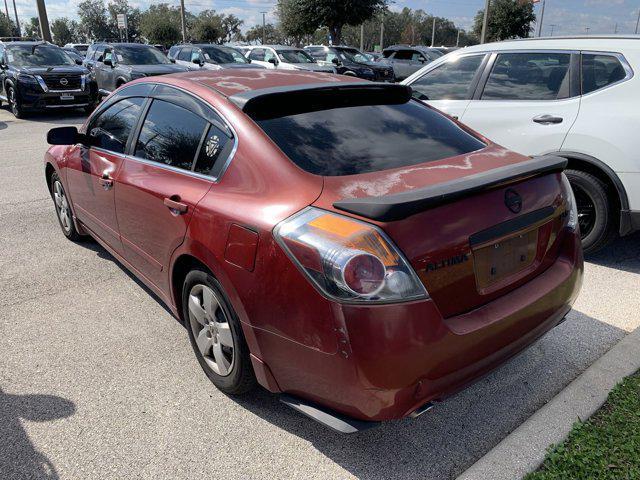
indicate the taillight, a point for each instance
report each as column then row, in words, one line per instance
column 347, row 259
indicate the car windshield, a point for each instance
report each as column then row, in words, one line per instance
column 223, row 55
column 353, row 55
column 355, row 133
column 295, row 56
column 140, row 56
column 38, row 56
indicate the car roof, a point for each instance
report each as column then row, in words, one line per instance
column 228, row 82
column 590, row 42
column 277, row 47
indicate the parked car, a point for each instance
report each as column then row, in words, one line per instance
column 350, row 61
column 81, row 48
column 114, row 64
column 344, row 245
column 574, row 97
column 285, row 58
column 36, row 76
column 210, row 57
column 406, row 59
column 374, row 56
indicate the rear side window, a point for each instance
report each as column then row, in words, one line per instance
column 528, row 76
column 170, row 135
column 215, row 149
column 363, row 138
column 111, row 128
column 450, row 81
column 599, row 71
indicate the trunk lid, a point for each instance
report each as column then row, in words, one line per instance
column 465, row 260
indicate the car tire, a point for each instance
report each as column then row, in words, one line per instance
column 63, row 209
column 596, row 213
column 215, row 334
column 14, row 102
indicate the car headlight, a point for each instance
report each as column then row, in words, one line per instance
column 367, row 71
column 346, row 259
column 25, row 78
column 570, row 202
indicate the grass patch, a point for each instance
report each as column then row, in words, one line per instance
column 607, row 446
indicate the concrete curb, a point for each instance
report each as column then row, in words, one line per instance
column 524, row 449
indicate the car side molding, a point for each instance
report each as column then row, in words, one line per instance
column 402, row 205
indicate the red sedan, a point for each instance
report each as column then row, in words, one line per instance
column 340, row 243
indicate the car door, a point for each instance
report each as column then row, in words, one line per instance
column 158, row 186
column 528, row 101
column 450, row 84
column 104, row 73
column 401, row 62
column 92, row 172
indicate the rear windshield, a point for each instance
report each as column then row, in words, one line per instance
column 366, row 138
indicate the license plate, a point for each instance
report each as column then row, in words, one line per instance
column 502, row 259
column 66, row 97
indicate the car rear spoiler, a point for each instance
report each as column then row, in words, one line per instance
column 402, row 205
column 291, row 99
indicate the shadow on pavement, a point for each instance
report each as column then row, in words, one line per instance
column 19, row 458
column 622, row 254
column 446, row 440
column 3, row 125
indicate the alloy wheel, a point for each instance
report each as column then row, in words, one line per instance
column 586, row 210
column 13, row 103
column 211, row 330
column 62, row 206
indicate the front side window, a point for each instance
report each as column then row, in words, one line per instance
column 269, row 54
column 295, row 56
column 529, row 76
column 42, row 55
column 352, row 55
column 599, row 71
column 98, row 54
column 110, row 129
column 195, row 55
column 224, row 55
column 404, row 55
column 257, row 54
column 371, row 135
column 450, row 81
column 140, row 55
column 170, row 135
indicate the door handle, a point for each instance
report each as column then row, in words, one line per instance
column 547, row 119
column 173, row 203
column 106, row 181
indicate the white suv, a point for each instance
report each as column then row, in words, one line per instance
column 285, row 58
column 575, row 97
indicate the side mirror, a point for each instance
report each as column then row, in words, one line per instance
column 335, row 61
column 108, row 62
column 273, row 60
column 248, row 60
column 172, row 60
column 78, row 61
column 197, row 61
column 65, row 136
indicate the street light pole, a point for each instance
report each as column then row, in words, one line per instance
column 15, row 10
column 45, row 32
column 264, row 27
column 552, row 28
column 458, row 39
column 638, row 21
column 382, row 34
column 184, row 26
column 362, row 37
column 433, row 32
column 485, row 21
column 541, row 18
column 6, row 9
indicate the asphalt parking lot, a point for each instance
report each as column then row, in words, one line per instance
column 97, row 379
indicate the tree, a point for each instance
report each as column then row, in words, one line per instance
column 507, row 19
column 94, row 22
column 271, row 32
column 64, row 31
column 32, row 28
column 208, row 27
column 116, row 7
column 7, row 27
column 231, row 26
column 306, row 16
column 161, row 24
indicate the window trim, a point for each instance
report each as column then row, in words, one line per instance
column 573, row 93
column 629, row 73
column 133, row 137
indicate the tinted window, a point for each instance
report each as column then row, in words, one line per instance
column 223, row 55
column 170, row 135
column 295, row 56
column 140, row 55
column 111, row 128
column 42, row 55
column 185, row 54
column 403, row 55
column 172, row 51
column 257, row 54
column 598, row 71
column 450, row 81
column 215, row 149
column 366, row 138
column 528, row 76
column 97, row 55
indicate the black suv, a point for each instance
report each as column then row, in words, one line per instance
column 350, row 61
column 114, row 64
column 41, row 76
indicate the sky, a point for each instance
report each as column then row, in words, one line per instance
column 561, row 17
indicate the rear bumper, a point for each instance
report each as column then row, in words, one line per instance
column 393, row 359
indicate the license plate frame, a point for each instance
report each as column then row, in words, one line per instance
column 66, row 97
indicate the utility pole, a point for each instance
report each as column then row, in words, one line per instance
column 264, row 28
column 586, row 29
column 433, row 32
column 362, row 37
column 15, row 10
column 45, row 31
column 553, row 26
column 458, row 39
column 485, row 21
column 184, row 23
column 615, row 30
column 541, row 18
column 382, row 34
column 638, row 21
column 6, row 9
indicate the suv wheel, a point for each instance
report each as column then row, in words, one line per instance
column 14, row 103
column 596, row 216
column 215, row 334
